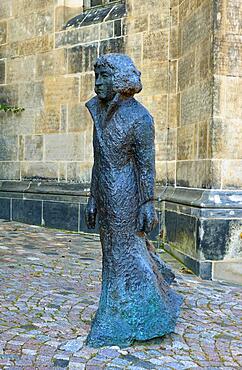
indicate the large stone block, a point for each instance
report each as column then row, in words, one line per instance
column 3, row 32
column 5, row 208
column 27, row 211
column 186, row 71
column 9, row 171
column 181, row 235
column 51, row 63
column 226, row 139
column 60, row 90
column 107, row 30
column 157, row 106
column 165, row 172
column 60, row 215
column 82, row 58
column 133, row 47
column 186, row 142
column 197, row 27
column 2, row 72
column 5, row 9
column 232, row 174
column 31, row 95
column 72, row 150
column 21, row 7
column 87, row 86
column 21, row 69
column 199, row 174
column 41, row 44
column 203, row 140
column 47, row 121
column 79, row 172
column 228, row 52
column 155, row 79
column 115, row 45
column 155, row 46
column 166, row 142
column 22, row 28
column 44, row 22
column 196, row 103
column 9, row 94
column 79, row 118
column 33, row 148
column 39, row 171
column 8, row 148
column 77, row 36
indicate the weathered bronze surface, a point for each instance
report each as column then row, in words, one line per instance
column 136, row 301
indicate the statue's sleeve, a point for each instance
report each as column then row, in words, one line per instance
column 144, row 154
column 93, row 187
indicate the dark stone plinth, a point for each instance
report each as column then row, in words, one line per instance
column 202, row 227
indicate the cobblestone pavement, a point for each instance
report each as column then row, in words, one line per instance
column 50, row 283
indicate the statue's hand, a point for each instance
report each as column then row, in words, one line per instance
column 147, row 218
column 90, row 213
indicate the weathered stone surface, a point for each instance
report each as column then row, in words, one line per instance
column 8, row 148
column 51, row 63
column 115, row 45
column 9, row 170
column 186, row 71
column 2, row 72
column 36, row 45
column 166, row 144
column 3, row 32
column 31, row 95
column 107, row 30
column 231, row 174
column 226, row 139
column 39, row 170
column 5, row 9
column 197, row 27
column 155, row 46
column 79, row 172
column 199, row 174
column 33, row 148
column 186, row 142
column 155, row 78
column 78, row 118
column 77, row 36
column 64, row 147
column 166, row 172
column 60, row 89
column 86, row 86
column 48, row 121
column 82, row 58
column 21, row 70
column 196, row 103
column 63, row 117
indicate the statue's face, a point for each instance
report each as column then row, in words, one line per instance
column 104, row 84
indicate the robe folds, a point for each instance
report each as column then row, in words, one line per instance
column 137, row 302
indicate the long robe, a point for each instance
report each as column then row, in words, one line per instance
column 136, row 300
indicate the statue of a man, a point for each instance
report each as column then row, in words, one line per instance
column 136, row 301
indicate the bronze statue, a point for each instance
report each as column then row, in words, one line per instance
column 136, row 301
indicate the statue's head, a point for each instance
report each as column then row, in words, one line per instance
column 116, row 73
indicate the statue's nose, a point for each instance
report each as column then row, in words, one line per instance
column 98, row 81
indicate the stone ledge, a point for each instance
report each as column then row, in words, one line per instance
column 201, row 198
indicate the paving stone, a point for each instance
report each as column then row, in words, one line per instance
column 50, row 284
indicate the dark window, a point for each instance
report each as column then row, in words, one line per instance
column 92, row 3
column 96, row 2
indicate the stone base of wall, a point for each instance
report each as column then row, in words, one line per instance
column 203, row 229
column 60, row 206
